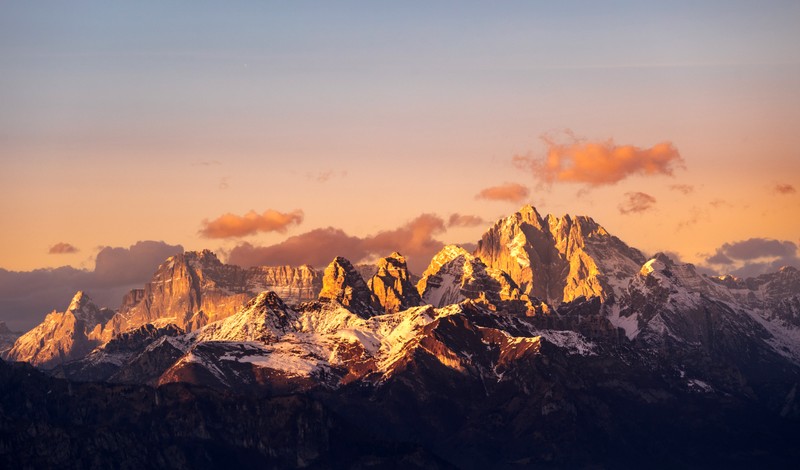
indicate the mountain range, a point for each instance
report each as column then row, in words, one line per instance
column 554, row 344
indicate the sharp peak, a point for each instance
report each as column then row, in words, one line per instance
column 80, row 299
column 267, row 299
column 341, row 261
column 529, row 209
column 202, row 256
column 394, row 258
column 663, row 257
column 530, row 215
column 452, row 251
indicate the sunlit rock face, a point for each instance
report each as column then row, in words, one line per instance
column 194, row 288
column 455, row 275
column 62, row 336
column 342, row 283
column 559, row 259
column 392, row 284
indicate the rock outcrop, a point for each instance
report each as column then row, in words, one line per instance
column 392, row 285
column 343, row 284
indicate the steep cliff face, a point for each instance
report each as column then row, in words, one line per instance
column 343, row 284
column 293, row 284
column 392, row 284
column 559, row 259
column 194, row 288
column 62, row 336
column 189, row 290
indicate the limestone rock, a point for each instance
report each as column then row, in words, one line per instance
column 392, row 284
column 559, row 259
column 194, row 288
column 62, row 336
column 343, row 284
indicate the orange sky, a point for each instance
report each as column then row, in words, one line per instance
column 365, row 121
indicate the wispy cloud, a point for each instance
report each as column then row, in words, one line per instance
column 636, row 202
column 685, row 189
column 325, row 175
column 718, row 203
column 62, row 248
column 784, row 189
column 464, row 220
column 207, row 163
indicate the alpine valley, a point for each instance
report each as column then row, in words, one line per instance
column 553, row 344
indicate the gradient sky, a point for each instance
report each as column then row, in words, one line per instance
column 129, row 121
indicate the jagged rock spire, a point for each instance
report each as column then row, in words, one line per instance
column 342, row 283
column 391, row 285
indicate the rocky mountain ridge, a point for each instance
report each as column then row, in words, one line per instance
column 617, row 353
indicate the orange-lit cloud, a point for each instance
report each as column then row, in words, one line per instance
column 231, row 225
column 318, row 247
column 682, row 188
column 62, row 248
column 599, row 163
column 784, row 189
column 511, row 192
column 636, row 202
column 465, row 220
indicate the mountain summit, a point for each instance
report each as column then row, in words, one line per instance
column 343, row 284
column 558, row 259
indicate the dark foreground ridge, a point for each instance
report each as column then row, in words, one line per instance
column 432, row 422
